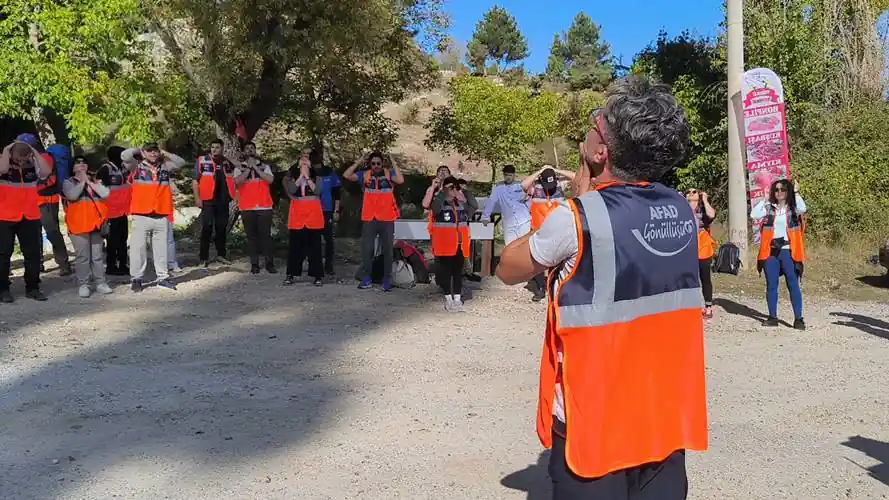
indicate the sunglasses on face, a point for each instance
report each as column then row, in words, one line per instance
column 376, row 163
column 780, row 189
column 692, row 191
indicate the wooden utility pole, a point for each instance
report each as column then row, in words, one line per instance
column 737, row 178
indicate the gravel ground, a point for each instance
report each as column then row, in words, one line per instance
column 235, row 387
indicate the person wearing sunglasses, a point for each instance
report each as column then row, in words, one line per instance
column 622, row 387
column 378, row 213
column 782, row 248
column 450, row 213
column 704, row 215
column 85, row 215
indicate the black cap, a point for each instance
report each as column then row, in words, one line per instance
column 79, row 159
column 508, row 169
column 547, row 179
column 450, row 181
column 150, row 146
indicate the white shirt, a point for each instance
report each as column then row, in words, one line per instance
column 780, row 226
column 512, row 204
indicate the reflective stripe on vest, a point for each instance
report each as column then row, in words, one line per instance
column 795, row 238
column 449, row 230
column 378, row 201
column 44, row 185
column 207, row 181
column 305, row 213
column 151, row 193
column 627, row 323
column 19, row 199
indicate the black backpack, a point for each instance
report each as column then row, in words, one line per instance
column 728, row 259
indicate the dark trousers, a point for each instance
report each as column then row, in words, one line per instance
column 664, row 480
column 258, row 226
column 706, row 280
column 327, row 233
column 305, row 244
column 116, row 243
column 49, row 219
column 214, row 220
column 449, row 273
column 370, row 230
column 31, row 245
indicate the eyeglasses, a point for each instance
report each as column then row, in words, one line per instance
column 692, row 191
column 780, row 189
column 375, row 163
column 595, row 116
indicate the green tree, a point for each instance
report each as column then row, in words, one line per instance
column 80, row 69
column 491, row 122
column 496, row 38
column 578, row 57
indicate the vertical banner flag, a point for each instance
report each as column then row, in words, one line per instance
column 765, row 134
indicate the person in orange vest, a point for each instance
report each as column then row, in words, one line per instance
column 622, row 386
column 214, row 189
column 151, row 206
column 544, row 190
column 378, row 212
column 305, row 222
column 782, row 247
column 115, row 177
column 21, row 167
column 49, row 208
column 254, row 179
column 449, row 216
column 704, row 216
column 85, row 214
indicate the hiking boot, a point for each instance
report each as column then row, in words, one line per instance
column 36, row 295
column 254, row 269
column 222, row 260
column 104, row 289
column 84, row 292
column 270, row 268
column 365, row 285
column 6, row 297
column 168, row 284
column 799, row 324
column 136, row 286
column 771, row 322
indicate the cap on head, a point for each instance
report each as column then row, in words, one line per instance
column 150, row 146
column 508, row 169
column 79, row 159
column 548, row 179
column 450, row 181
column 29, row 139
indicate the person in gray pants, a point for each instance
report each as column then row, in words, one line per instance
column 85, row 218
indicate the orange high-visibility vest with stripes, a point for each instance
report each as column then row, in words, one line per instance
column 207, row 168
column 85, row 215
column 254, row 193
column 379, row 198
column 795, row 237
column 49, row 184
column 449, row 230
column 305, row 210
column 121, row 192
column 542, row 204
column 627, row 323
column 18, row 194
column 151, row 191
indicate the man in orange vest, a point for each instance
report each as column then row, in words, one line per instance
column 253, row 179
column 378, row 212
column 622, row 393
column 544, row 191
column 49, row 208
column 151, row 205
column 214, row 189
column 21, row 167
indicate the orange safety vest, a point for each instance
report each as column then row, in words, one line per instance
column 254, row 193
column 121, row 192
column 542, row 204
column 449, row 230
column 795, row 230
column 379, row 198
column 18, row 194
column 207, row 177
column 151, row 192
column 627, row 323
column 85, row 215
column 48, row 187
column 305, row 210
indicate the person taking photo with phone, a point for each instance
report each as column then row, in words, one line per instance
column 450, row 213
column 86, row 215
column 305, row 222
column 704, row 216
column 253, row 180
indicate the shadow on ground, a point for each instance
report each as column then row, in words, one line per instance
column 738, row 309
column 533, row 480
column 866, row 324
column 881, row 281
column 877, row 450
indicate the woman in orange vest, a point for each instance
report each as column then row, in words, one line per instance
column 378, row 212
column 449, row 216
column 305, row 222
column 85, row 214
column 253, row 180
column 115, row 177
column 782, row 248
column 704, row 215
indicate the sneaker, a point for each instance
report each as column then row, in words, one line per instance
column 6, row 297
column 365, row 285
column 799, row 324
column 318, row 282
column 448, row 303
column 65, row 271
column 288, row 281
column 457, row 306
column 205, row 263
column 84, row 291
column 270, row 267
column 36, row 295
column 387, row 286
column 136, row 286
column 104, row 289
column 175, row 269
column 771, row 321
column 538, row 296
column 169, row 285
column 222, row 260
column 254, row 269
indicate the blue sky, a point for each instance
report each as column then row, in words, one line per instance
column 627, row 25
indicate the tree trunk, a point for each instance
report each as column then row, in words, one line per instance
column 44, row 130
column 555, row 152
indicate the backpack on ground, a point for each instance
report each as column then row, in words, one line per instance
column 404, row 255
column 728, row 259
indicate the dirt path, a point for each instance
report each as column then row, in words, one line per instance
column 235, row 387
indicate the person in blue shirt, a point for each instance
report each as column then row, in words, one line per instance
column 329, row 188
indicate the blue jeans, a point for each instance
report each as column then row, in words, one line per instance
column 773, row 267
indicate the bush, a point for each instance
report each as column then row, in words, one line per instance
column 411, row 113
